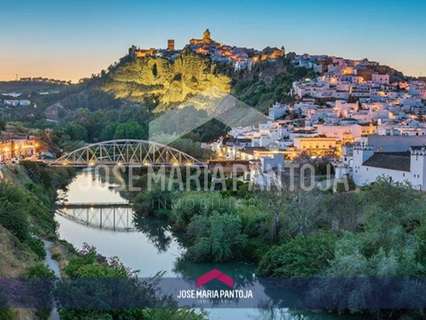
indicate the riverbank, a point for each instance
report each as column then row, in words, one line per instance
column 27, row 208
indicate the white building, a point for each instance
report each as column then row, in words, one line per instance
column 399, row 158
column 345, row 109
column 277, row 111
column 403, row 167
column 342, row 132
column 17, row 102
column 380, row 78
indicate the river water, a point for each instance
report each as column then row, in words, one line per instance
column 98, row 215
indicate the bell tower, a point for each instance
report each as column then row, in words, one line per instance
column 207, row 36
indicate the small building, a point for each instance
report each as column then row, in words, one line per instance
column 277, row 111
column 380, row 78
column 233, row 168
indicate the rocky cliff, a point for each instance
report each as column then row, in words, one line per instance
column 167, row 81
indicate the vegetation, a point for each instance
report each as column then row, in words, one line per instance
column 23, row 215
column 27, row 197
column 378, row 231
column 91, row 276
column 217, row 238
column 171, row 82
column 86, row 125
column 41, row 279
column 299, row 257
column 260, row 91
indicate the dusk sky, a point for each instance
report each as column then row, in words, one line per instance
column 73, row 39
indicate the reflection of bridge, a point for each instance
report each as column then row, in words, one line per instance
column 116, row 217
column 127, row 153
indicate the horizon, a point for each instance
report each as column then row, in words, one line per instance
column 70, row 41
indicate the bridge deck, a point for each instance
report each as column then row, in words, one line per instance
column 93, row 205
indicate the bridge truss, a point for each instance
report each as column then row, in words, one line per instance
column 127, row 152
column 117, row 218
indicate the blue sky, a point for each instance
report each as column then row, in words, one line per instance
column 72, row 39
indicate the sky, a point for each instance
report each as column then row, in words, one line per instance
column 71, row 39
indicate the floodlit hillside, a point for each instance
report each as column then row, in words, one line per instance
column 170, row 82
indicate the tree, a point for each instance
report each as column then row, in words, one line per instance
column 130, row 130
column 220, row 241
column 153, row 203
column 14, row 214
column 303, row 256
column 100, row 285
column 198, row 203
column 76, row 132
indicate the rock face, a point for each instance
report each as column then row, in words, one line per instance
column 170, row 82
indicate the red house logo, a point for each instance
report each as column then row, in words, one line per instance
column 215, row 274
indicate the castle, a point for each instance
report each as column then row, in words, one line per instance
column 241, row 58
column 206, row 40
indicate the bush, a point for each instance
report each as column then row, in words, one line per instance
column 193, row 204
column 5, row 312
column 36, row 246
column 302, row 256
column 166, row 314
column 221, row 239
column 14, row 211
column 41, row 278
column 153, row 203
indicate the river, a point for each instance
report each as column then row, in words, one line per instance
column 96, row 214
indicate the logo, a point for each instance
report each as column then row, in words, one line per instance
column 215, row 274
column 207, row 294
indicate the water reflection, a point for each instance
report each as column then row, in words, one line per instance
column 80, row 221
column 118, row 218
column 93, row 211
column 157, row 231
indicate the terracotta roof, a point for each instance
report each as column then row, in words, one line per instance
column 399, row 161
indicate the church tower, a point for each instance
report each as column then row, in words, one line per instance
column 207, row 36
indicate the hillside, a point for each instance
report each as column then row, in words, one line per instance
column 171, row 82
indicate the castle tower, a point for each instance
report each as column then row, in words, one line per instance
column 361, row 153
column 171, row 45
column 207, row 36
column 418, row 167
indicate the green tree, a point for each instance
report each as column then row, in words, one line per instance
column 198, row 203
column 153, row 203
column 130, row 130
column 302, row 256
column 14, row 211
column 76, row 132
column 221, row 241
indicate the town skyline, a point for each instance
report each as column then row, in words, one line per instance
column 72, row 41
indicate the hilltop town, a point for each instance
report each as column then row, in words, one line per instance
column 240, row 58
column 365, row 118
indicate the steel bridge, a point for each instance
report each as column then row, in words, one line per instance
column 117, row 217
column 127, row 152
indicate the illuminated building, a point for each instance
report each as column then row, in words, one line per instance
column 317, row 146
column 18, row 149
column 346, row 133
column 206, row 40
column 269, row 54
column 142, row 53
